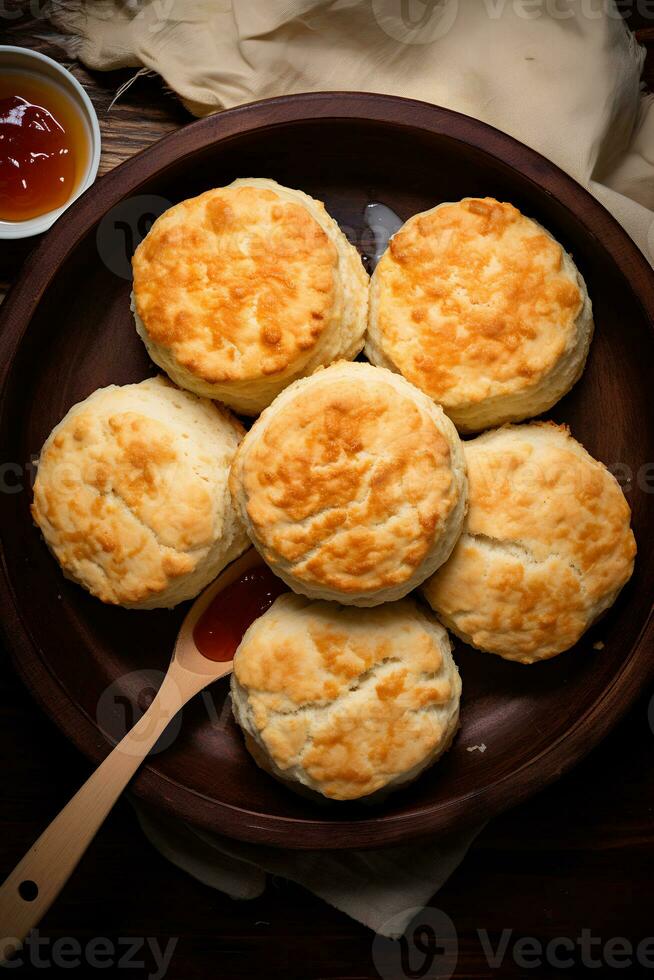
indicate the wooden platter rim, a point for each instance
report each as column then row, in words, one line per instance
column 15, row 315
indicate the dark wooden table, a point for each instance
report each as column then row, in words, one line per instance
column 574, row 862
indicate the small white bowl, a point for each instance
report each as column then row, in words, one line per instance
column 26, row 60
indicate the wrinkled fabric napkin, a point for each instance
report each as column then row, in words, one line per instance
column 380, row 888
column 562, row 76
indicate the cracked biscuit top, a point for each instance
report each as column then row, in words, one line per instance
column 131, row 493
column 219, row 276
column 239, row 291
column 345, row 702
column 546, row 546
column 352, row 485
column 481, row 308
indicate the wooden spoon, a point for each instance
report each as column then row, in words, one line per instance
column 35, row 882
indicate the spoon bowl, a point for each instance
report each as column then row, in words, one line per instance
column 185, row 651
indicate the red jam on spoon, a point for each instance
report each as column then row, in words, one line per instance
column 221, row 626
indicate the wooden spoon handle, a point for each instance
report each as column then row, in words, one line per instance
column 37, row 879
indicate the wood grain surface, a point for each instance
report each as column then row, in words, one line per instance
column 578, row 856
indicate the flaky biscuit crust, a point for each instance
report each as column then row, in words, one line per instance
column 352, row 485
column 245, row 288
column 481, row 308
column 346, row 703
column 131, row 494
column 546, row 545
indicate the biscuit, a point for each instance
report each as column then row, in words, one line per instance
column 246, row 288
column 347, row 703
column 482, row 309
column 351, row 485
column 546, row 546
column 132, row 494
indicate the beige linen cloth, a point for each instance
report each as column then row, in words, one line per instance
column 560, row 75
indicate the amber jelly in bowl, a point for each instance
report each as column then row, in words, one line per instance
column 49, row 141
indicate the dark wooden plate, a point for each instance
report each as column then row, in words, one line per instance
column 67, row 330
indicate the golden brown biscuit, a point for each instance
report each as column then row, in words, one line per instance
column 131, row 494
column 480, row 307
column 352, row 485
column 245, row 288
column 345, row 702
column 546, row 546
